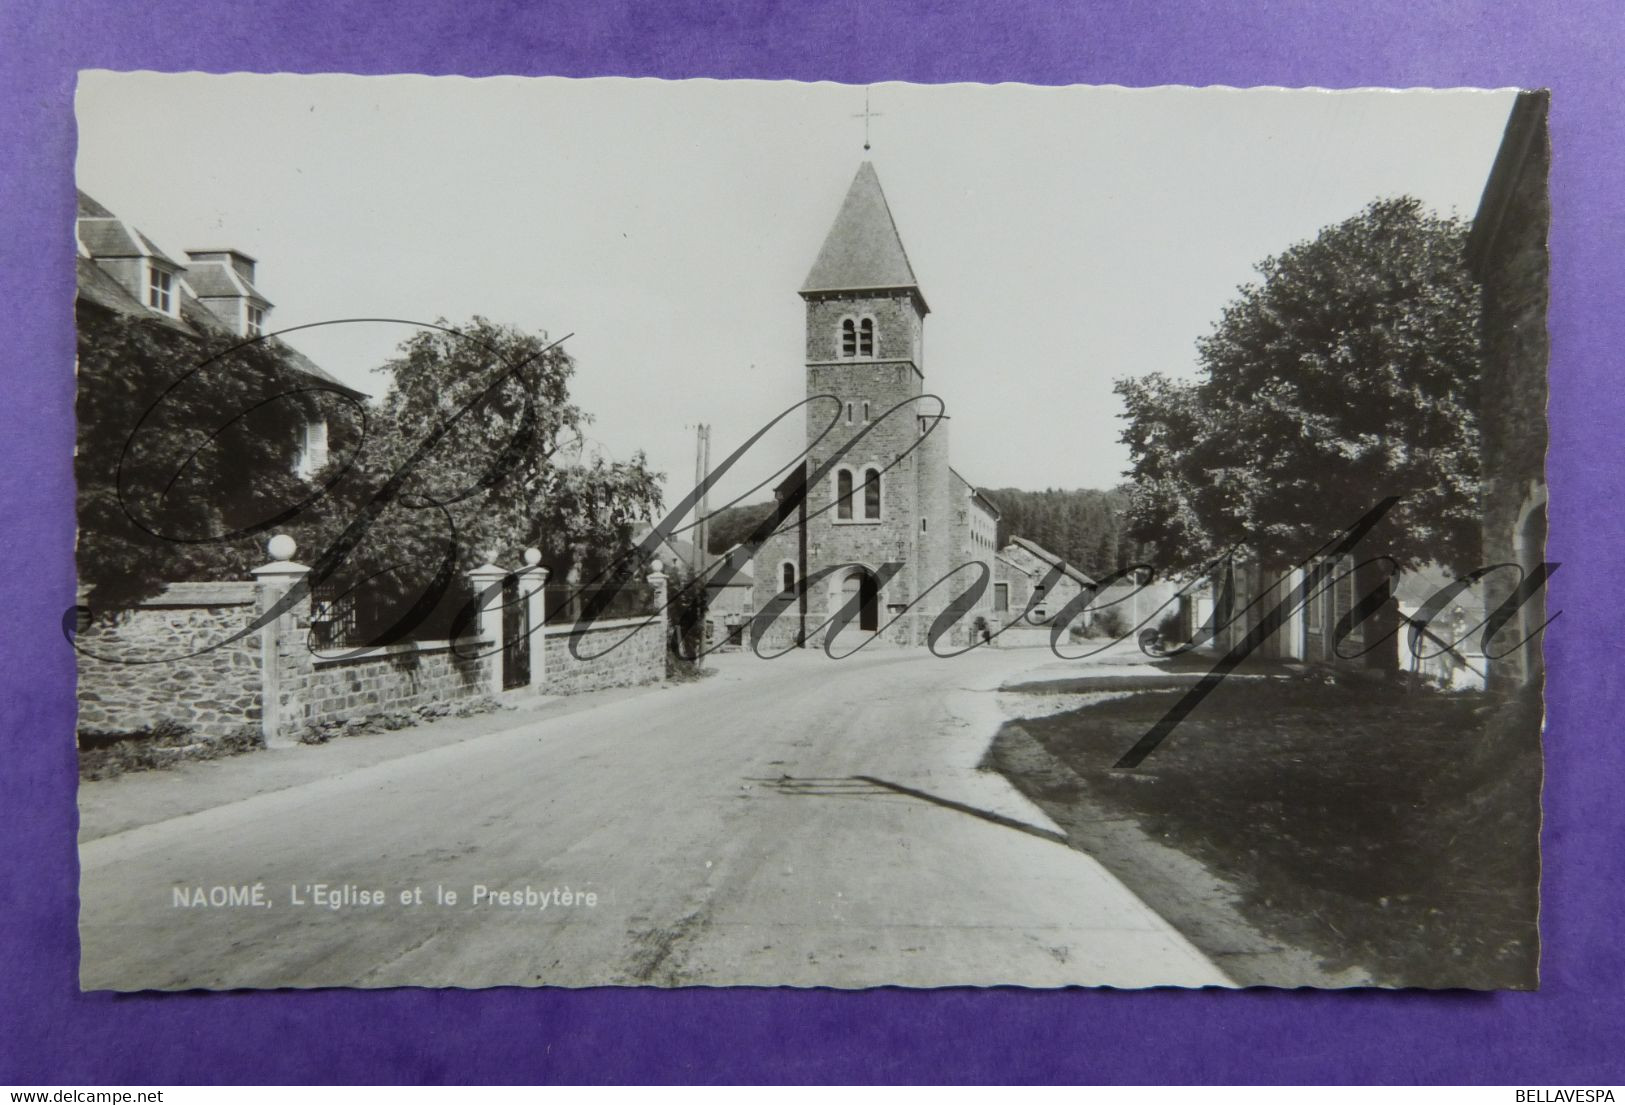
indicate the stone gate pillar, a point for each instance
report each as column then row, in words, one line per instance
column 533, row 583
column 280, row 643
column 657, row 579
column 486, row 581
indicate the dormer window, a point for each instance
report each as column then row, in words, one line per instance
column 160, row 290
column 223, row 281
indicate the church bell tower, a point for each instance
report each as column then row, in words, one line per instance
column 864, row 346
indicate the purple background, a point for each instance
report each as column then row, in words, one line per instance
column 1569, row 1032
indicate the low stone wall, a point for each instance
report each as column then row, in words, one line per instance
column 149, row 664
column 168, row 660
column 641, row 658
column 358, row 682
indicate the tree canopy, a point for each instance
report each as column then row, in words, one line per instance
column 1346, row 374
column 1083, row 526
column 475, row 450
column 186, row 445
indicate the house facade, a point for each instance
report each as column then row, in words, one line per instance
column 121, row 271
column 1034, row 585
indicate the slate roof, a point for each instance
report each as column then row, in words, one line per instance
column 976, row 492
column 90, row 209
column 311, row 368
column 862, row 249
column 669, row 549
column 112, row 237
column 1048, row 557
column 97, row 287
column 217, row 279
column 738, row 558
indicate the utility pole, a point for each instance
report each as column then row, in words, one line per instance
column 702, row 472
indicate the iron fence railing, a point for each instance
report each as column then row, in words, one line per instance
column 565, row 604
column 337, row 618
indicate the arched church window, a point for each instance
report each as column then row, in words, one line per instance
column 866, row 337
column 843, row 494
column 787, row 575
column 871, row 493
column 849, row 337
column 866, row 410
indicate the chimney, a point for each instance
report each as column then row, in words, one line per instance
column 237, row 259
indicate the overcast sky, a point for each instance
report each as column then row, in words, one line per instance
column 1064, row 237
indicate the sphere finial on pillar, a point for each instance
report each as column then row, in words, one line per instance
column 281, row 547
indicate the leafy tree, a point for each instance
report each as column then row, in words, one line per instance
column 185, row 455
column 1347, row 373
column 474, row 452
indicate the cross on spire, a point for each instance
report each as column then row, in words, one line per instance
column 866, row 115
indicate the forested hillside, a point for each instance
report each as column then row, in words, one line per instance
column 733, row 524
column 1081, row 526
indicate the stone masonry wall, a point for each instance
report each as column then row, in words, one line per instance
column 1024, row 572
column 898, row 324
column 1513, row 399
column 139, row 668
column 169, row 660
column 640, row 658
column 873, row 543
column 385, row 680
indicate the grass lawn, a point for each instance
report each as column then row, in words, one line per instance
column 1386, row 827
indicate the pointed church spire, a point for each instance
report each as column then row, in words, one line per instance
column 862, row 251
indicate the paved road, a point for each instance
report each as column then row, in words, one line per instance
column 800, row 822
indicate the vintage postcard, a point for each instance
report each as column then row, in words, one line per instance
column 540, row 532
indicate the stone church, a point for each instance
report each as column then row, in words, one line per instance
column 890, row 517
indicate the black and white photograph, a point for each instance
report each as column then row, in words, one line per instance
column 560, row 532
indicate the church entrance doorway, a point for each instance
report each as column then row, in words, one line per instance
column 860, row 584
